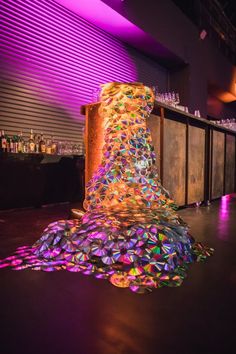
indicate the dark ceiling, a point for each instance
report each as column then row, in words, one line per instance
column 190, row 8
column 229, row 8
column 218, row 18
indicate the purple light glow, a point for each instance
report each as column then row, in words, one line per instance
column 103, row 16
column 223, row 229
column 108, row 19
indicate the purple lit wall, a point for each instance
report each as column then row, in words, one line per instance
column 52, row 60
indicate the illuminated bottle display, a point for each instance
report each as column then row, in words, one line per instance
column 38, row 144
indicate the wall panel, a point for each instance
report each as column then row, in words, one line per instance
column 230, row 164
column 174, row 159
column 196, row 162
column 218, row 151
column 52, row 60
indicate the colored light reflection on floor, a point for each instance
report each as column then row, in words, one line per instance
column 130, row 233
column 224, row 218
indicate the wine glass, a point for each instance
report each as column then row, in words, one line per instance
column 170, row 102
column 197, row 113
column 166, row 98
column 155, row 91
column 173, row 99
column 185, row 109
column 177, row 100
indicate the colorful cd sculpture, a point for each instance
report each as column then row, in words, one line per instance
column 130, row 233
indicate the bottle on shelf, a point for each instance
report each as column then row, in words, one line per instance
column 49, row 147
column 11, row 143
column 21, row 142
column 3, row 142
column 14, row 144
column 42, row 144
column 53, row 146
column 8, row 143
column 31, row 142
column 37, row 143
column 26, row 147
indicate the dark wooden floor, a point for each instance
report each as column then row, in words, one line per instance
column 69, row 313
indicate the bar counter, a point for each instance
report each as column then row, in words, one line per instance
column 33, row 180
column 195, row 158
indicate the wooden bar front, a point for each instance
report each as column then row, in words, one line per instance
column 196, row 164
column 218, row 160
column 230, row 164
column 174, row 159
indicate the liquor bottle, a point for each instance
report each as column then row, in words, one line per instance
column 20, row 146
column 49, row 147
column 15, row 143
column 26, row 147
column 8, row 143
column 3, row 141
column 31, row 142
column 37, row 143
column 54, row 146
column 42, row 144
column 8, row 149
column 11, row 143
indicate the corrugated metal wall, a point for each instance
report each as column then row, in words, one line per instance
column 51, row 62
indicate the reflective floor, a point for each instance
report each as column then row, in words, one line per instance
column 69, row 313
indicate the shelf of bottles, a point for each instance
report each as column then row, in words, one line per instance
column 36, row 143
